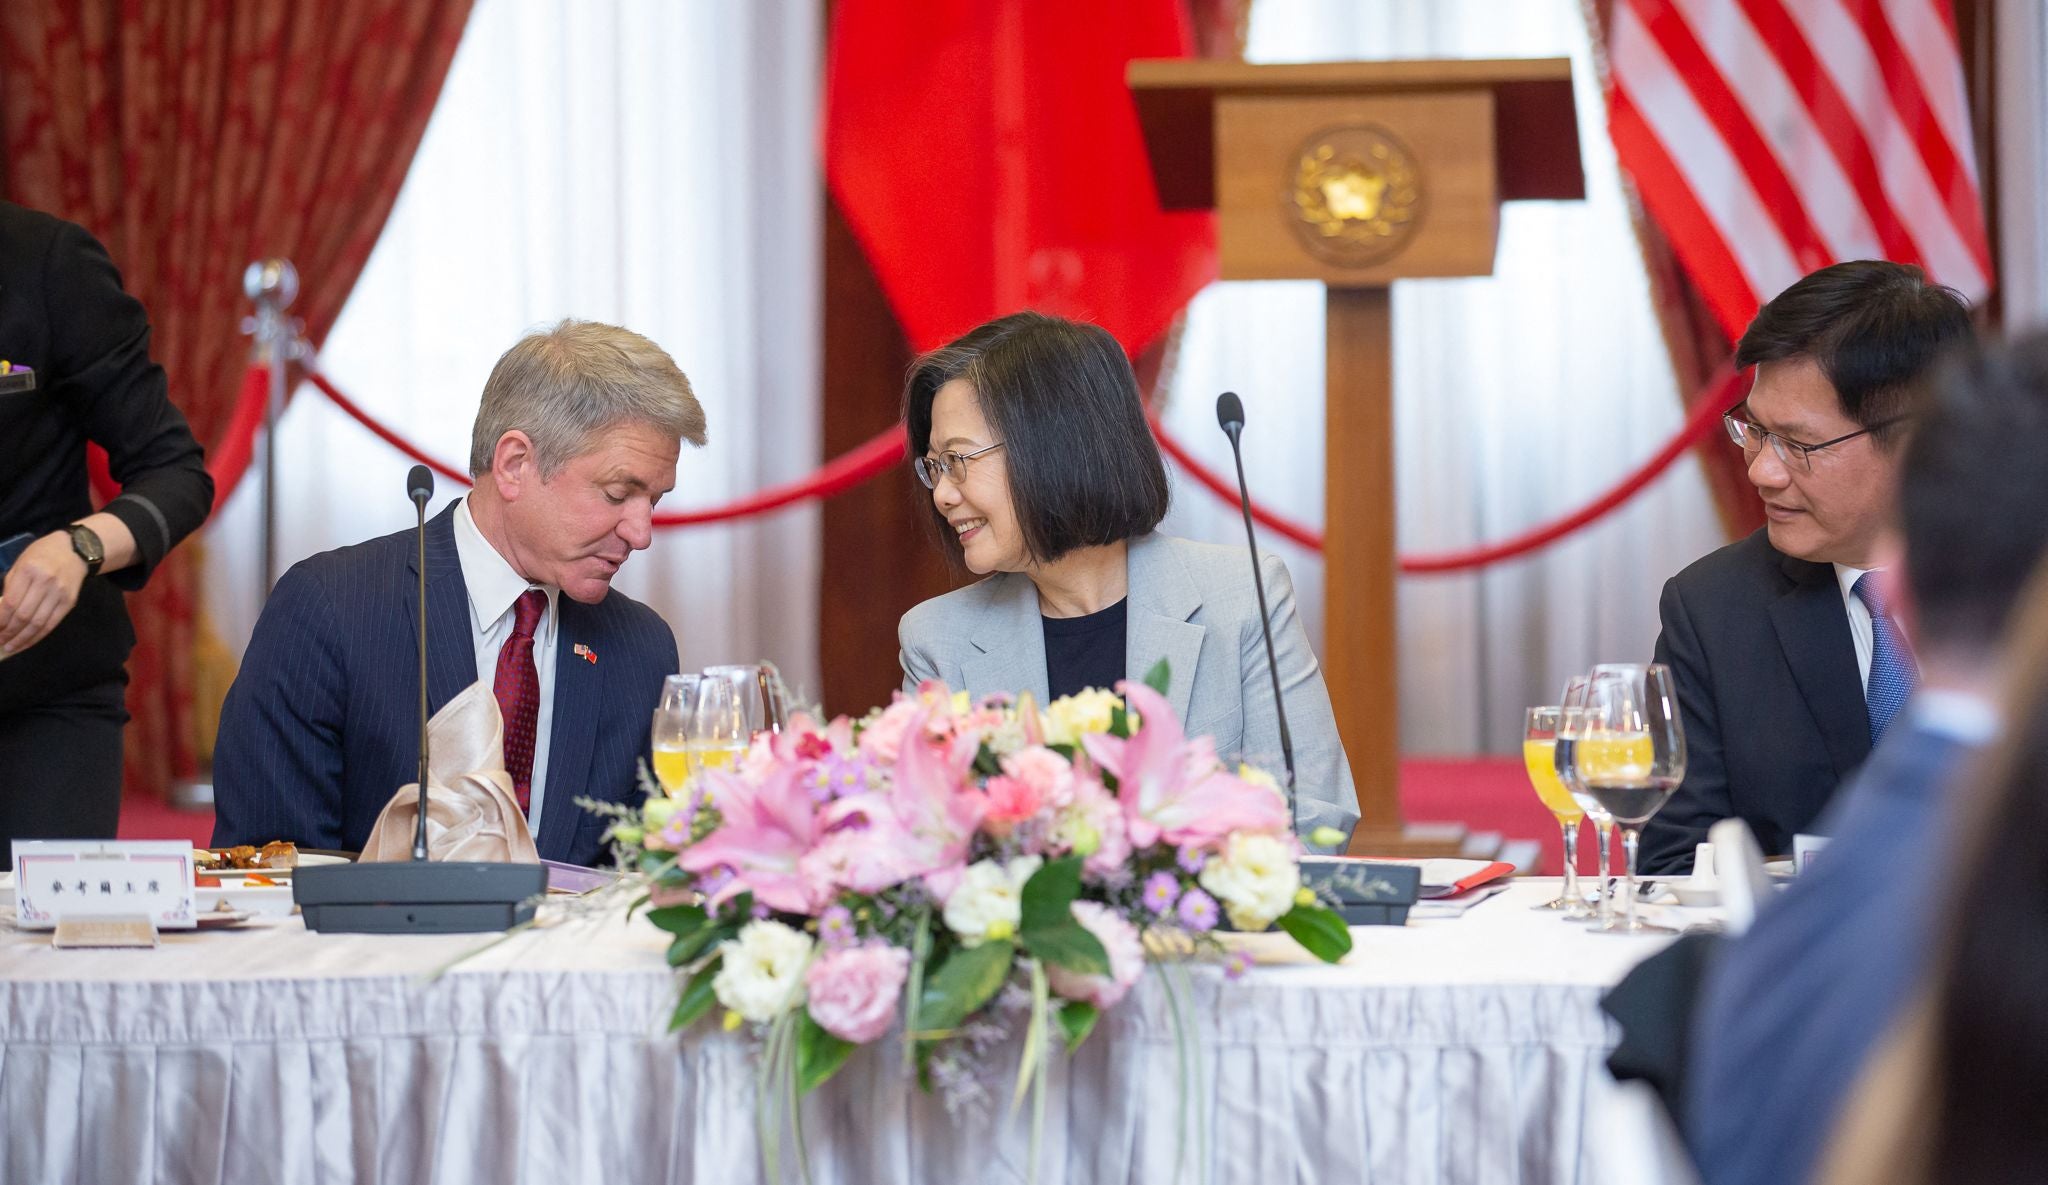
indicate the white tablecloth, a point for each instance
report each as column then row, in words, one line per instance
column 1453, row 1051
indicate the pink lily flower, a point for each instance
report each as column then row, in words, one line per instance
column 768, row 828
column 1174, row 790
column 921, row 825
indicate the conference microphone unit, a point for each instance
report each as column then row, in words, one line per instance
column 1230, row 416
column 419, row 896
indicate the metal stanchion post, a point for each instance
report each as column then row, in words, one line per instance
column 272, row 284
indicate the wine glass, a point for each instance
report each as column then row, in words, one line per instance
column 719, row 727
column 1539, row 755
column 1631, row 756
column 671, row 732
column 760, row 692
column 1571, row 717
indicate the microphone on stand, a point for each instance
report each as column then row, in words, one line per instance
column 1230, row 416
column 419, row 486
column 419, row 896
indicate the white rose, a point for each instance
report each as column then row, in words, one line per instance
column 1070, row 717
column 762, row 974
column 989, row 900
column 1255, row 878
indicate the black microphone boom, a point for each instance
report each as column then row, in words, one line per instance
column 419, row 897
column 419, row 486
column 1230, row 416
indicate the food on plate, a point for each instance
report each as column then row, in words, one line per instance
column 277, row 854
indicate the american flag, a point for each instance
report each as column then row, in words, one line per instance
column 1768, row 138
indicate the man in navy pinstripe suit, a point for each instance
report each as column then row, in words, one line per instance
column 575, row 442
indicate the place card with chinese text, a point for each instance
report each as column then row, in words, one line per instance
column 64, row 879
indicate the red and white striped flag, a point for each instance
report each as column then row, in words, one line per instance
column 1772, row 137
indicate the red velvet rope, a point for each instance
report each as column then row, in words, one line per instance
column 836, row 476
column 886, row 449
column 1716, row 397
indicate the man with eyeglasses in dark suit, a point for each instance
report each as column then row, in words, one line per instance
column 1788, row 662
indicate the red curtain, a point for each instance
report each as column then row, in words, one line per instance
column 192, row 136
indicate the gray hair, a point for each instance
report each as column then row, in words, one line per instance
column 565, row 384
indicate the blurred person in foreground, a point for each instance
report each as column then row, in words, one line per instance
column 75, row 348
column 1789, row 666
column 1793, row 1008
column 1957, row 1090
column 576, row 440
column 1045, row 479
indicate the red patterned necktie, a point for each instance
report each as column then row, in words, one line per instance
column 517, row 687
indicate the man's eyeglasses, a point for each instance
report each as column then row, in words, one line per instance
column 1796, row 455
column 947, row 464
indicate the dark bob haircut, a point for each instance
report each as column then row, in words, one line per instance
column 1060, row 397
column 1973, row 493
column 1872, row 326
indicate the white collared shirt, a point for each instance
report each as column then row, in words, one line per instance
column 1860, row 629
column 493, row 590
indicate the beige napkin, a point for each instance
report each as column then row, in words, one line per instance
column 471, row 811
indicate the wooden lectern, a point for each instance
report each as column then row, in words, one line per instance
column 1359, row 174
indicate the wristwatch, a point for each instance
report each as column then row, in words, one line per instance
column 86, row 542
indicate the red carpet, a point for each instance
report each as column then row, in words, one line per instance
column 1484, row 793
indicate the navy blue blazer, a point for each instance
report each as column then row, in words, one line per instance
column 321, row 726
column 1792, row 1010
column 1759, row 646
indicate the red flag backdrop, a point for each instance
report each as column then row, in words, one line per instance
column 986, row 154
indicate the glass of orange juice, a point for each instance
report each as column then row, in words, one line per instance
column 720, row 729
column 671, row 734
column 1539, row 756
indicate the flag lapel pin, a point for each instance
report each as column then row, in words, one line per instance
column 585, row 653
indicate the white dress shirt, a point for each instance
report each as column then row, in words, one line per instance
column 493, row 590
column 1860, row 628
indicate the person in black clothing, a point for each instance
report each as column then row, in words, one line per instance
column 64, row 629
column 1787, row 661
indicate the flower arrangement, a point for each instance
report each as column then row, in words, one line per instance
column 958, row 868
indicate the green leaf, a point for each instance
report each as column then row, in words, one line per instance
column 697, row 998
column 1048, row 897
column 819, row 1054
column 687, row 947
column 1319, row 931
column 679, row 919
column 962, row 984
column 1077, row 1020
column 1160, row 676
column 1119, row 723
column 1070, row 946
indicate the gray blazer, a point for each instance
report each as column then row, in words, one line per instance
column 1192, row 604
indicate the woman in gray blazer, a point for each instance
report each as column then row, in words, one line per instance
column 1044, row 478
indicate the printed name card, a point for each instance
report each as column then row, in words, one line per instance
column 80, row 880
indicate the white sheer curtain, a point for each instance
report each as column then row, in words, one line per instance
column 1518, row 397
column 647, row 163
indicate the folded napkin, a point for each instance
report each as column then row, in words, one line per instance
column 471, row 812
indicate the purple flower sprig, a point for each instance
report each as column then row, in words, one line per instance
column 1162, row 890
column 1197, row 912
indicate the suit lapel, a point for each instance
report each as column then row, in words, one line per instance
column 579, row 698
column 1813, row 631
column 451, row 645
column 1162, row 599
column 1008, row 641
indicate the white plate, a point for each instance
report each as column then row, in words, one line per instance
column 259, row 900
column 306, row 860
column 1782, row 869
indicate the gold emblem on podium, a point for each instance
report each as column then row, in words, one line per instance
column 1356, row 196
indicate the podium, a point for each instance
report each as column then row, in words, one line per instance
column 1359, row 174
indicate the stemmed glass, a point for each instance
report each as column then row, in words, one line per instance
column 671, row 731
column 1571, row 721
column 1539, row 755
column 759, row 690
column 719, row 728
column 1631, row 756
